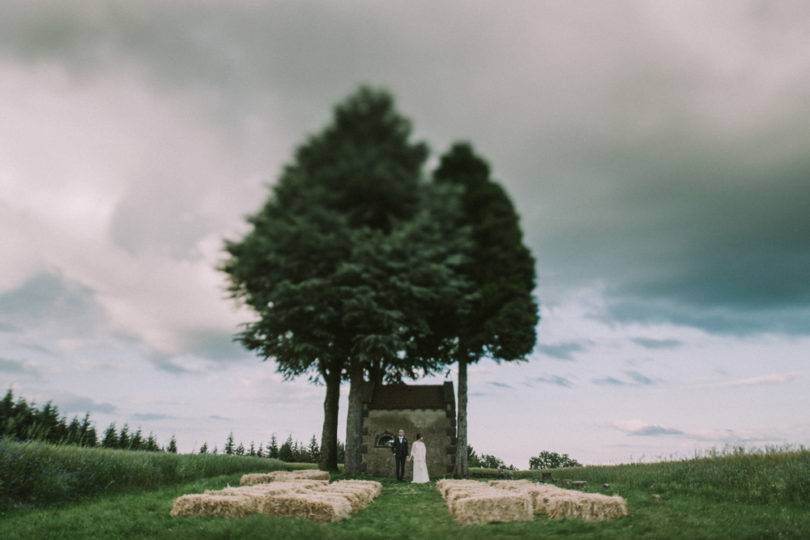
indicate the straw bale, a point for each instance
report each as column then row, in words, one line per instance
column 322, row 507
column 375, row 487
column 261, row 490
column 356, row 499
column 213, row 505
column 510, row 484
column 492, row 506
column 284, row 476
column 358, row 496
column 446, row 485
column 584, row 506
column 455, row 495
column 255, row 478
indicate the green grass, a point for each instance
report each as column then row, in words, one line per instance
column 36, row 474
column 719, row 497
column 773, row 475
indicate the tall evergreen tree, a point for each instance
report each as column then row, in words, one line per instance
column 110, row 439
column 500, row 323
column 335, row 268
column 287, row 450
column 124, row 441
column 229, row 447
column 313, row 451
column 272, row 447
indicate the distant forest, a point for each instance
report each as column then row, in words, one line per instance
column 20, row 420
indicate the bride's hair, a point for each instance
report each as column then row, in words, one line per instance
column 418, row 436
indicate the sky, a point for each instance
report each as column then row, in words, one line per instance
column 658, row 154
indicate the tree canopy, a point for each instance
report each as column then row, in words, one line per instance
column 500, row 321
column 349, row 264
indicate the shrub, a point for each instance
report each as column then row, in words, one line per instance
column 552, row 460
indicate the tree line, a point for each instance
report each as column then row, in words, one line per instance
column 290, row 451
column 23, row 421
column 363, row 268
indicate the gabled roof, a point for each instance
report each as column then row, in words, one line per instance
column 404, row 396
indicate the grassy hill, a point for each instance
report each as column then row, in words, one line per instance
column 738, row 495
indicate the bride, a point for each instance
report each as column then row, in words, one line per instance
column 418, row 451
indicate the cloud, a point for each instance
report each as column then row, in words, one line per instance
column 16, row 366
column 77, row 404
column 610, row 381
column 499, row 384
column 555, row 380
column 770, row 379
column 49, row 298
column 765, row 379
column 655, row 431
column 636, row 379
column 146, row 417
column 639, row 378
column 642, row 429
column 656, row 344
column 561, row 351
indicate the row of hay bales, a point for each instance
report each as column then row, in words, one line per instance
column 472, row 502
column 297, row 494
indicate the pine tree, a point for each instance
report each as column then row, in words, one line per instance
column 204, row 448
column 229, row 448
column 285, row 453
column 313, row 450
column 345, row 267
column 123, row 438
column 137, row 442
column 501, row 321
column 151, row 443
column 272, row 447
column 110, row 439
column 172, row 448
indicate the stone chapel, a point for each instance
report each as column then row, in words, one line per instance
column 426, row 409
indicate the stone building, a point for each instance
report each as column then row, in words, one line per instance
column 426, row 409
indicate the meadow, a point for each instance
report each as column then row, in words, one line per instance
column 738, row 494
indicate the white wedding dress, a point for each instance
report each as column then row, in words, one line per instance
column 420, row 472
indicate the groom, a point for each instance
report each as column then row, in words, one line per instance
column 400, row 450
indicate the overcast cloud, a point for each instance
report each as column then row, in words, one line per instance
column 657, row 153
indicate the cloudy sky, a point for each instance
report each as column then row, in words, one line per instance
column 658, row 154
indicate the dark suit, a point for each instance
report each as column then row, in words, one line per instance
column 400, row 450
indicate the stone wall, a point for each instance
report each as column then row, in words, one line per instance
column 436, row 426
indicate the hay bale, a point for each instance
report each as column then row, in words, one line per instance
column 537, row 492
column 584, row 506
column 491, row 506
column 255, row 478
column 321, row 507
column 358, row 495
column 510, row 484
column 455, row 495
column 213, row 505
column 598, row 507
column 262, row 490
column 283, row 476
column 374, row 487
column 446, row 485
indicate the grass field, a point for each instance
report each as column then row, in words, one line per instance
column 730, row 496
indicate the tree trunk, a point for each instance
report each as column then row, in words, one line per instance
column 461, row 470
column 328, row 458
column 354, row 420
